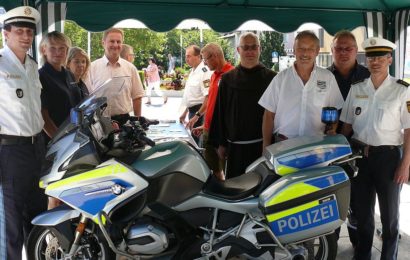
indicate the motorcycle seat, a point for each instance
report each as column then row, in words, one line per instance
column 235, row 188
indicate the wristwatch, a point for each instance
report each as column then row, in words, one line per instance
column 198, row 114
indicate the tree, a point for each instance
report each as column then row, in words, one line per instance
column 190, row 37
column 147, row 43
column 271, row 41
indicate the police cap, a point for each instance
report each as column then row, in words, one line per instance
column 377, row 47
column 23, row 16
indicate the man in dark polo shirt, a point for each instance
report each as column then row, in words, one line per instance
column 347, row 71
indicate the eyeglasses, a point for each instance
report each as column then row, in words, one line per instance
column 378, row 58
column 345, row 49
column 205, row 59
column 249, row 47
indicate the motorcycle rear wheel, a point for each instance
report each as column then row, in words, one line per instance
column 322, row 248
column 43, row 245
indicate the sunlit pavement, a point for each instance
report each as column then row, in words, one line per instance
column 345, row 250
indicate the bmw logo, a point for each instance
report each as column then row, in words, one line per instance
column 116, row 189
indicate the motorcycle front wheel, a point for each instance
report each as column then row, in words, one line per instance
column 44, row 245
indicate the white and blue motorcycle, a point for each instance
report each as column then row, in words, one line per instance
column 125, row 196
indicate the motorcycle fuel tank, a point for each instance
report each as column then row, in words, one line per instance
column 173, row 156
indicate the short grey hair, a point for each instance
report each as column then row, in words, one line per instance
column 249, row 35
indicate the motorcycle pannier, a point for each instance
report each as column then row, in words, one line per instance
column 313, row 198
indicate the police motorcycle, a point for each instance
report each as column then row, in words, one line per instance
column 124, row 195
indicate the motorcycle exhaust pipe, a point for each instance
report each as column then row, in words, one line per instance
column 298, row 257
column 298, row 253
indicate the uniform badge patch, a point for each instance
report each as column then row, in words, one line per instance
column 321, row 85
column 358, row 111
column 206, row 83
column 408, row 106
column 19, row 93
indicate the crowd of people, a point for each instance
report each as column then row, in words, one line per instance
column 234, row 112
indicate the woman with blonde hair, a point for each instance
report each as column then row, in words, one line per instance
column 60, row 92
column 78, row 63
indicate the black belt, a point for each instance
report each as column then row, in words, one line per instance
column 194, row 108
column 15, row 140
column 381, row 148
column 358, row 145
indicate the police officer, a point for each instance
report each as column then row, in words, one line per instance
column 377, row 110
column 195, row 98
column 21, row 145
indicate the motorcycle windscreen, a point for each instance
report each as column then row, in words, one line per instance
column 307, row 204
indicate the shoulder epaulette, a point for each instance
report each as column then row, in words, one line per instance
column 32, row 58
column 358, row 81
column 402, row 82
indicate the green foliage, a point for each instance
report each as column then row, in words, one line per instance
column 271, row 41
column 190, row 37
column 147, row 43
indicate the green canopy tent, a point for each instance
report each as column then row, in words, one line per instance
column 383, row 18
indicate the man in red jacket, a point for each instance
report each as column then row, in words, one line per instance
column 213, row 57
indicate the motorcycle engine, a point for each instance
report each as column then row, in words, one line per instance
column 148, row 238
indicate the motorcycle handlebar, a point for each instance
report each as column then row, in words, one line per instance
column 145, row 122
column 147, row 140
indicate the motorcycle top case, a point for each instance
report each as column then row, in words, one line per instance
column 304, row 152
column 306, row 204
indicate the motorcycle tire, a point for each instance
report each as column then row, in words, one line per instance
column 42, row 244
column 322, row 248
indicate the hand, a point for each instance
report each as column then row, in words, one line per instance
column 331, row 132
column 197, row 131
column 401, row 175
column 192, row 122
column 221, row 152
column 182, row 119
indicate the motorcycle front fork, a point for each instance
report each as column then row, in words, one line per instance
column 79, row 231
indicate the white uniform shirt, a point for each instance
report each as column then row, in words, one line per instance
column 20, row 90
column 298, row 107
column 102, row 70
column 377, row 116
column 196, row 86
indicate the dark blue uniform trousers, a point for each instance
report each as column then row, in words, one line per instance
column 375, row 176
column 191, row 113
column 21, row 199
